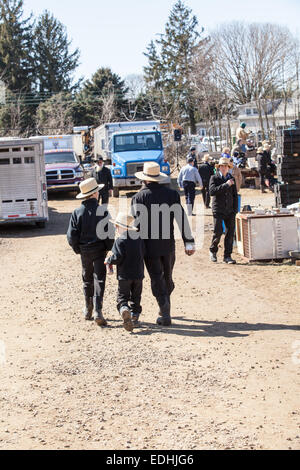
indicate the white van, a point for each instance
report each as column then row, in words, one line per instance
column 23, row 187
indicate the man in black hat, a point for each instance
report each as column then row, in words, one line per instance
column 103, row 176
column 157, row 230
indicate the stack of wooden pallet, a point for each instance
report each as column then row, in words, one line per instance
column 288, row 169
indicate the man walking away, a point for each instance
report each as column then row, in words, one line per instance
column 128, row 255
column 160, row 246
column 188, row 179
column 192, row 154
column 83, row 238
column 103, row 176
column 224, row 207
column 206, row 171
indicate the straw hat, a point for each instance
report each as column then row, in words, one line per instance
column 260, row 150
column 89, row 187
column 151, row 172
column 124, row 220
column 207, row 158
column 224, row 161
column 267, row 147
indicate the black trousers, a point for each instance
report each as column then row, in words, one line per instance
column 190, row 194
column 160, row 270
column 229, row 222
column 103, row 197
column 205, row 194
column 130, row 294
column 94, row 276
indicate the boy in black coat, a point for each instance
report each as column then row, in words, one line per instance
column 88, row 238
column 128, row 255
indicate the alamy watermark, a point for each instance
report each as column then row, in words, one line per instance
column 159, row 222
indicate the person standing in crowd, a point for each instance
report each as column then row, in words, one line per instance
column 271, row 167
column 188, row 179
column 224, row 207
column 159, row 242
column 83, row 238
column 103, row 176
column 262, row 160
column 206, row 171
column 242, row 136
column 226, row 152
column 192, row 154
column 128, row 255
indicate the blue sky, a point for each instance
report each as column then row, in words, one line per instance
column 115, row 33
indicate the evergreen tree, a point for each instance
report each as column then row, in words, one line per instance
column 54, row 63
column 88, row 106
column 170, row 59
column 54, row 116
column 16, row 63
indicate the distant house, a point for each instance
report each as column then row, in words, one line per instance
column 279, row 112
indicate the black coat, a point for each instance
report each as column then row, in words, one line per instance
column 103, row 177
column 206, row 171
column 128, row 256
column 225, row 198
column 194, row 159
column 152, row 195
column 263, row 160
column 82, row 231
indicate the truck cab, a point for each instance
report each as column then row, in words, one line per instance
column 63, row 170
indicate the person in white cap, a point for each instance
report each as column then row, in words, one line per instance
column 222, row 188
column 128, row 255
column 84, row 239
column 160, row 246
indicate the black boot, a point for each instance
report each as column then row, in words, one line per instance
column 88, row 309
column 262, row 188
column 98, row 316
column 99, row 319
column 165, row 316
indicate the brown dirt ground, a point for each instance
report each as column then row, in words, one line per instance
column 222, row 377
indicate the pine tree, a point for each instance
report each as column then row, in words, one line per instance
column 88, row 106
column 16, row 62
column 54, row 63
column 170, row 62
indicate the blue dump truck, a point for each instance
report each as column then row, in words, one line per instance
column 126, row 146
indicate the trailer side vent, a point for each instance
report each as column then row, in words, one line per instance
column 4, row 161
column 7, row 202
column 17, row 161
column 16, row 149
column 29, row 160
column 28, row 149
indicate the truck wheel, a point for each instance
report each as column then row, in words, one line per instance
column 40, row 224
column 116, row 192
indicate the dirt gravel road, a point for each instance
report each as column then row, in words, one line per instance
column 226, row 375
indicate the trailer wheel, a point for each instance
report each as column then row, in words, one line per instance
column 41, row 224
column 116, row 192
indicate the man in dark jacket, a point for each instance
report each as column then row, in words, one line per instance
column 155, row 206
column 206, row 171
column 224, row 207
column 128, row 255
column 192, row 154
column 262, row 160
column 103, row 176
column 83, row 236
